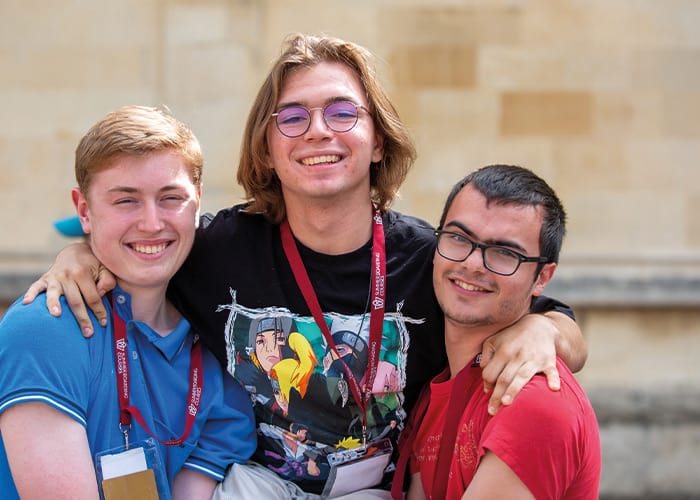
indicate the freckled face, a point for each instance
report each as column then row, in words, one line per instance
column 141, row 214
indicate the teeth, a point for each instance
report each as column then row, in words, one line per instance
column 320, row 159
column 149, row 249
column 468, row 287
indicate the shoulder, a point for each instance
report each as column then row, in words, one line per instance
column 31, row 326
column 407, row 232
column 232, row 228
column 401, row 223
column 236, row 217
column 557, row 411
column 46, row 358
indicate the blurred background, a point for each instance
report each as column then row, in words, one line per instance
column 600, row 97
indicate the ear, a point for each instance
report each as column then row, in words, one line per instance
column 543, row 279
column 81, row 207
column 378, row 151
column 198, row 201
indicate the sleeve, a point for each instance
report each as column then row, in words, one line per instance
column 543, row 304
column 537, row 437
column 228, row 435
column 43, row 359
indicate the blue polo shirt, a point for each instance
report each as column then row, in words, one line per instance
column 46, row 359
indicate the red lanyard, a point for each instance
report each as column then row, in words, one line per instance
column 376, row 317
column 455, row 409
column 126, row 411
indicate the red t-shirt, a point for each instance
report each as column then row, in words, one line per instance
column 549, row 439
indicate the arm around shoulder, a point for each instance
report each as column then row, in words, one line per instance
column 82, row 279
column 569, row 341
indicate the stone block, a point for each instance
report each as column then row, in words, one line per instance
column 555, row 113
column 670, row 69
column 693, row 223
column 431, row 24
column 548, row 67
column 188, row 24
column 642, row 348
column 680, row 112
column 628, row 113
column 443, row 66
column 643, row 24
column 663, row 165
column 616, row 223
column 650, row 442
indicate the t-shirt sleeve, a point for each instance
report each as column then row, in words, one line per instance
column 543, row 304
column 538, row 438
column 228, row 435
column 43, row 359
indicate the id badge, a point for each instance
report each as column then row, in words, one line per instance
column 136, row 472
column 358, row 468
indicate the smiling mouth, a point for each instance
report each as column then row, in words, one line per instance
column 317, row 160
column 468, row 287
column 150, row 249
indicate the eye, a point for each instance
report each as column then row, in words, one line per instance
column 344, row 110
column 124, row 201
column 172, row 197
column 503, row 252
column 293, row 115
column 458, row 238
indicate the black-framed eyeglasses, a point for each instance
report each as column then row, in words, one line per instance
column 339, row 116
column 498, row 259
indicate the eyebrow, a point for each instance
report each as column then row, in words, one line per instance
column 131, row 189
column 328, row 101
column 500, row 243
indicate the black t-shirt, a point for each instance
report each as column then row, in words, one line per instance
column 238, row 291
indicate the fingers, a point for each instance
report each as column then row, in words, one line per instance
column 552, row 375
column 510, row 378
column 510, row 381
column 75, row 302
column 53, row 290
column 490, row 369
column 34, row 289
column 105, row 281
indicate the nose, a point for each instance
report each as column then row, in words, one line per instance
column 151, row 220
column 317, row 124
column 475, row 259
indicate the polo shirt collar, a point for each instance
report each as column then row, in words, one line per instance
column 169, row 346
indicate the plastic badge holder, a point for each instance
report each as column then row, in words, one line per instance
column 138, row 472
column 357, row 468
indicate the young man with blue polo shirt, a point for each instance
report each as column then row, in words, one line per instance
column 143, row 404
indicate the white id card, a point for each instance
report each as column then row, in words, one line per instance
column 358, row 468
column 137, row 472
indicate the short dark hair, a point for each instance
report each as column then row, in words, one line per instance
column 511, row 184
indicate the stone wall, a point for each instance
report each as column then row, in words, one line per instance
column 601, row 97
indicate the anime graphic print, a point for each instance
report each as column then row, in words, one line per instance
column 303, row 404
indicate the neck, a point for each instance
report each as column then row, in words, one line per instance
column 331, row 228
column 149, row 305
column 463, row 343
